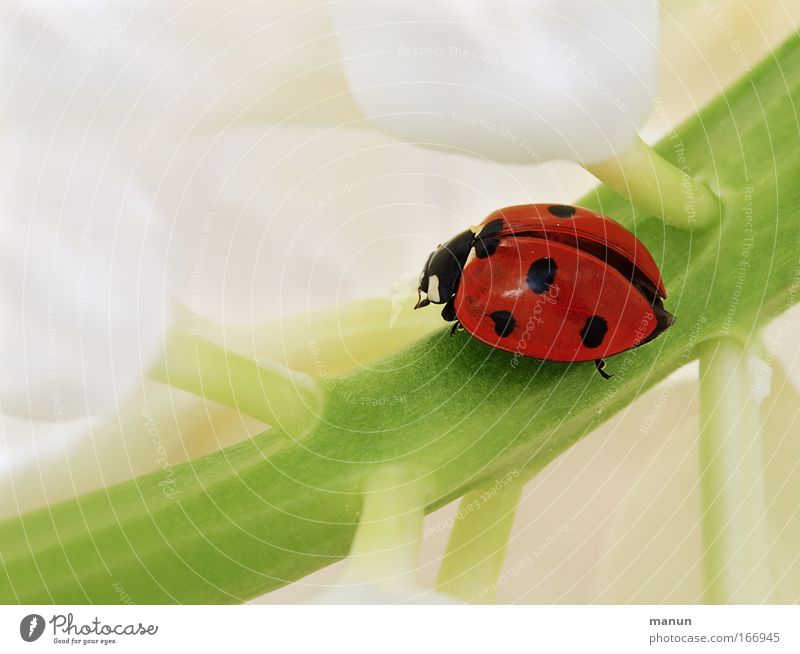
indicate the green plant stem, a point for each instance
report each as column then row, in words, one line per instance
column 387, row 543
column 476, row 549
column 266, row 391
column 735, row 534
column 658, row 187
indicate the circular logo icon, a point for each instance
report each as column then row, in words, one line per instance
column 31, row 627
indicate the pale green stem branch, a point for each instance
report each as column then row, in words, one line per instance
column 264, row 390
column 735, row 532
column 328, row 341
column 386, row 546
column 476, row 550
column 652, row 183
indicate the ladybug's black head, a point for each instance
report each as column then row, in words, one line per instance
column 442, row 271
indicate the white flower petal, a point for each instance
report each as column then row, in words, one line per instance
column 281, row 220
column 517, row 82
column 156, row 71
column 83, row 284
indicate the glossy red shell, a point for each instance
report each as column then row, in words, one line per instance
column 586, row 226
column 587, row 311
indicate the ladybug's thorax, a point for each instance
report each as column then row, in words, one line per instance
column 442, row 272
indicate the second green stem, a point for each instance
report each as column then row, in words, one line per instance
column 268, row 391
column 735, row 537
column 476, row 550
column 659, row 187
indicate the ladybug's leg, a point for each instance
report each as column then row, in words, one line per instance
column 457, row 327
column 600, row 365
column 449, row 310
column 449, row 314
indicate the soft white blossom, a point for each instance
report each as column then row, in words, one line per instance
column 149, row 73
column 511, row 81
column 84, row 285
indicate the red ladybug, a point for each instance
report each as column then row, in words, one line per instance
column 552, row 282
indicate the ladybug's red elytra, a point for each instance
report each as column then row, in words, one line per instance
column 549, row 281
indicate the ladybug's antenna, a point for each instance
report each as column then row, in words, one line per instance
column 420, row 301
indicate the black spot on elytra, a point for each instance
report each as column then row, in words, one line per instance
column 594, row 331
column 490, row 229
column 485, row 247
column 562, row 210
column 504, row 322
column 541, row 274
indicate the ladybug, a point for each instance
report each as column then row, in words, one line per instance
column 549, row 281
